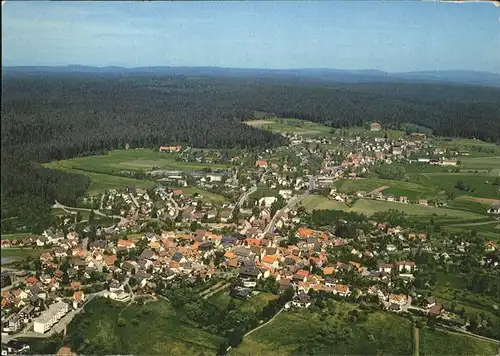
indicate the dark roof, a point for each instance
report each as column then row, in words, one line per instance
column 177, row 256
column 249, row 271
column 206, row 245
column 147, row 254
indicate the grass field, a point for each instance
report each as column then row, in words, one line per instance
column 481, row 183
column 254, row 304
column 467, row 144
column 152, row 329
column 17, row 236
column 215, row 198
column 481, row 163
column 396, row 188
column 333, row 334
column 22, row 252
column 369, row 207
column 102, row 169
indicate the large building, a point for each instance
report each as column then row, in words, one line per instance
column 51, row 316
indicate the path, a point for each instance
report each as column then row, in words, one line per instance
column 208, row 290
column 261, row 326
column 243, row 198
column 221, row 288
column 473, row 224
column 174, row 203
column 136, row 203
column 379, row 189
column 97, row 212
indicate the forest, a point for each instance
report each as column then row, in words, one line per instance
column 52, row 117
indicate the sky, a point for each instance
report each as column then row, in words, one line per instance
column 394, row 36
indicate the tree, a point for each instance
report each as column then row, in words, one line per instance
column 91, row 217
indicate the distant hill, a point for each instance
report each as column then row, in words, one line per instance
column 321, row 75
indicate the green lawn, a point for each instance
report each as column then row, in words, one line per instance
column 152, row 329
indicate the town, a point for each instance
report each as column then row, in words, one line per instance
column 284, row 220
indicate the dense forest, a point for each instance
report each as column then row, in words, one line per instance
column 49, row 117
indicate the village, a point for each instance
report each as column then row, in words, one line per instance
column 262, row 232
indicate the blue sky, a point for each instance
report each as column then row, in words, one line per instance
column 391, row 36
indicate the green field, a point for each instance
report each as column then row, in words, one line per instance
column 481, row 183
column 369, row 207
column 102, row 169
column 311, row 129
column 467, row 145
column 480, row 163
column 215, row 198
column 254, row 304
column 396, row 188
column 332, row 333
column 18, row 236
column 152, row 329
column 22, row 252
column 319, row 202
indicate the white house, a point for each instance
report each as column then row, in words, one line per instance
column 51, row 316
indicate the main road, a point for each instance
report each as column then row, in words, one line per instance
column 243, row 198
column 290, row 205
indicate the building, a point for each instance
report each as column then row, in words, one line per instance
column 50, row 317
column 170, row 148
column 375, row 126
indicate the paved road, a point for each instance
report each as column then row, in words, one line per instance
column 57, row 328
column 97, row 212
column 176, row 206
column 136, row 203
column 290, row 205
column 243, row 198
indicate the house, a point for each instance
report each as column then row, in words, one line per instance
column 301, row 300
column 341, row 289
column 126, row 243
column 494, row 209
column 17, row 347
column 241, row 293
column 397, row 301
column 78, row 299
column 385, row 268
column 65, row 351
column 408, row 266
column 267, row 201
column 170, row 148
column 49, row 317
column 261, row 163
column 270, row 261
column 391, row 248
column 423, row 202
column 403, row 199
column 375, row 126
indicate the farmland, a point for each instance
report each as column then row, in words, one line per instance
column 303, row 332
column 369, row 207
column 215, row 198
column 103, row 169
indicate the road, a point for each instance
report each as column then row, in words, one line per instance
column 290, row 205
column 136, row 203
column 97, row 212
column 57, row 328
column 243, row 198
column 174, row 203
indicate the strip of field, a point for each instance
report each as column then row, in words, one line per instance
column 258, row 122
column 480, row 162
column 480, row 200
column 369, row 207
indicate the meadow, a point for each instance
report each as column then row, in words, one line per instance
column 254, row 304
column 304, row 332
column 215, row 198
column 151, row 329
column 369, row 207
column 103, row 169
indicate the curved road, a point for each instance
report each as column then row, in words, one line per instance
column 97, row 212
column 267, row 322
column 243, row 198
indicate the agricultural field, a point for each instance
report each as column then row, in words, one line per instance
column 319, row 202
column 480, row 163
column 22, row 253
column 303, row 332
column 102, row 169
column 369, row 207
column 482, row 184
column 151, row 329
column 413, row 191
column 215, row 198
column 18, row 236
column 293, row 126
column 470, row 145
